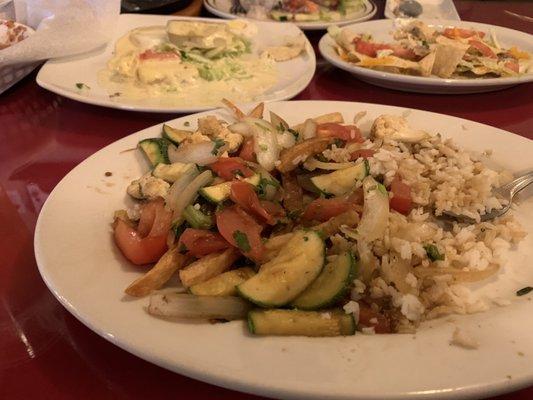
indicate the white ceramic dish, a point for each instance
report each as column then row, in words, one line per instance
column 221, row 8
column 431, row 9
column 62, row 75
column 81, row 266
column 381, row 31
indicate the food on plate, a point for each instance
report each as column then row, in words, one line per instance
column 313, row 227
column 423, row 50
column 195, row 62
column 306, row 10
column 11, row 33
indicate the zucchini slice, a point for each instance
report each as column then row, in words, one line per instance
column 196, row 218
column 156, row 150
column 342, row 181
column 330, row 286
column 172, row 172
column 175, row 135
column 288, row 274
column 223, row 284
column 300, row 323
column 219, row 193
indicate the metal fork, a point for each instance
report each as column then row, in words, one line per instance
column 507, row 191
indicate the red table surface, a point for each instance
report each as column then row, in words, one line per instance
column 45, row 353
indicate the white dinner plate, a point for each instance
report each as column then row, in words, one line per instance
column 431, row 9
column 87, row 273
column 221, row 8
column 61, row 76
column 381, row 30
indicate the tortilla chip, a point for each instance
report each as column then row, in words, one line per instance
column 426, row 64
column 388, row 61
column 448, row 54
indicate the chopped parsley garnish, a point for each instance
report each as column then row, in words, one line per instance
column 262, row 187
column 242, row 241
column 218, row 144
column 263, row 147
column 338, row 142
column 294, row 214
column 280, row 127
column 261, row 126
column 294, row 133
column 81, row 85
column 524, row 291
column 433, row 252
column 306, row 238
column 382, row 189
column 283, row 18
column 187, row 123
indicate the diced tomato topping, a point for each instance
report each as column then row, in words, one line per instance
column 364, row 153
column 453, row 33
column 482, row 48
column 324, row 209
column 348, row 133
column 247, row 150
column 242, row 231
column 512, row 65
column 200, row 242
column 137, row 249
column 401, row 200
column 371, row 49
column 154, row 55
column 243, row 194
column 229, row 168
column 369, row 318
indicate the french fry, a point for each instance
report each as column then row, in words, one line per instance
column 335, row 117
column 291, row 157
column 160, row 273
column 257, row 112
column 331, row 227
column 208, row 267
column 236, row 110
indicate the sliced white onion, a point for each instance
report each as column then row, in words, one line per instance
column 277, row 121
column 286, row 139
column 266, row 148
column 179, row 186
column 180, row 305
column 259, row 123
column 242, row 128
column 309, row 130
column 197, row 153
column 312, row 163
column 375, row 218
column 189, row 194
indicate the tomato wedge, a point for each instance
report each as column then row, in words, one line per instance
column 200, row 242
column 370, row 318
column 242, row 231
column 364, row 153
column 348, row 133
column 155, row 219
column 453, row 33
column 401, row 200
column 324, row 209
column 247, row 150
column 137, row 249
column 229, row 168
column 243, row 194
column 274, row 209
column 482, row 48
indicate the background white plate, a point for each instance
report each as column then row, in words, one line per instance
column 431, row 9
column 62, row 75
column 381, row 30
column 221, row 8
column 87, row 274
